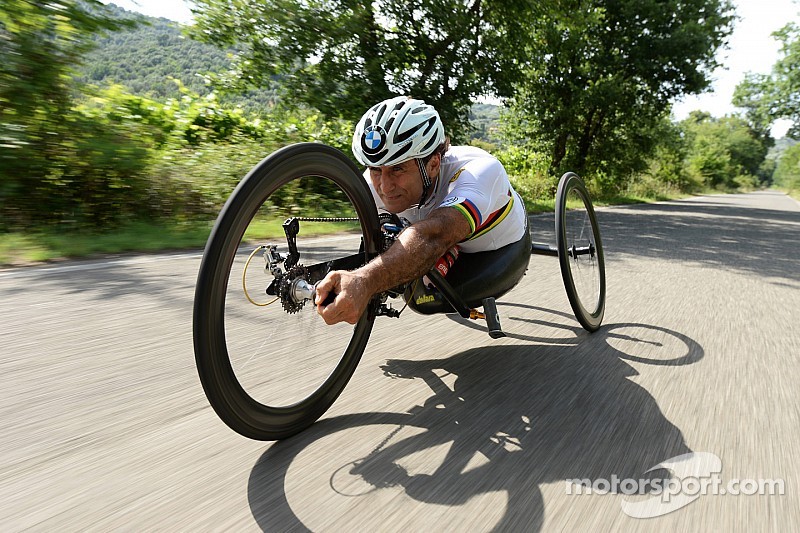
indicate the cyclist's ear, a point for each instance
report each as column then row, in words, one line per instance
column 434, row 164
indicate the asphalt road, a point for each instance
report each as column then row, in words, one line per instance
column 104, row 425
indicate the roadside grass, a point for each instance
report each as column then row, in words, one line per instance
column 21, row 248
column 540, row 205
column 25, row 248
column 794, row 193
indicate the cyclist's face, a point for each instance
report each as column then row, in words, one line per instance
column 400, row 186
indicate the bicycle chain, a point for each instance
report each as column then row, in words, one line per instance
column 328, row 219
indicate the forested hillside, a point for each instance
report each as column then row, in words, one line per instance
column 485, row 120
column 144, row 59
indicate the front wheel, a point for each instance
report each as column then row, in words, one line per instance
column 268, row 363
column 580, row 252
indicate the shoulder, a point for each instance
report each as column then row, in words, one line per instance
column 468, row 153
column 471, row 159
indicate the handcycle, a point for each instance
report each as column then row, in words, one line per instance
column 269, row 365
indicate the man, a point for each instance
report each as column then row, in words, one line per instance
column 453, row 196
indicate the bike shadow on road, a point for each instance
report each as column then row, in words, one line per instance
column 628, row 338
column 534, row 414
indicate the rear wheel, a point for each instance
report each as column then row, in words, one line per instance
column 580, row 252
column 268, row 363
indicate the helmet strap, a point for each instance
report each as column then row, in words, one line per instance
column 426, row 182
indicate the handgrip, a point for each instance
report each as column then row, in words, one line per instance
column 329, row 299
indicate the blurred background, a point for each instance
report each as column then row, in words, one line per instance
column 122, row 131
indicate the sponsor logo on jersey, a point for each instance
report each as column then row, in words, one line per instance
column 456, row 175
column 451, row 201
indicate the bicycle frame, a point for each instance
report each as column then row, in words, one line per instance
column 223, row 351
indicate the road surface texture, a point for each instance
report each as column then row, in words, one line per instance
column 105, row 426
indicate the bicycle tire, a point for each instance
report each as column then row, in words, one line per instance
column 236, row 406
column 588, row 301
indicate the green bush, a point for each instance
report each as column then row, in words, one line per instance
column 193, row 175
column 721, row 150
column 80, row 171
column 746, row 182
column 114, row 157
column 528, row 172
column 787, row 171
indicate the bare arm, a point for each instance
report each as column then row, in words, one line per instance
column 410, row 257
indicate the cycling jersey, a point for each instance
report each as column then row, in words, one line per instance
column 475, row 183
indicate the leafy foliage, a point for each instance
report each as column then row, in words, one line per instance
column 777, row 95
column 340, row 56
column 724, row 153
column 40, row 135
column 787, row 171
column 589, row 82
column 78, row 156
column 602, row 74
column 485, row 123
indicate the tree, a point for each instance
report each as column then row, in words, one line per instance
column 40, row 43
column 720, row 151
column 340, row 56
column 787, row 171
column 767, row 98
column 602, row 74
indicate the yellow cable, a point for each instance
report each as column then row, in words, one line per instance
column 244, row 284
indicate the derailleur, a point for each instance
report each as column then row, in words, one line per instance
column 290, row 285
column 292, row 282
column 387, row 310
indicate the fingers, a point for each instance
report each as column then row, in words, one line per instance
column 340, row 310
column 325, row 299
column 331, row 315
column 330, row 306
column 324, row 288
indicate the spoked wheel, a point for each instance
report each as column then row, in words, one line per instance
column 580, row 252
column 269, row 365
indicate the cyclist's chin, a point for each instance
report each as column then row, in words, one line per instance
column 396, row 205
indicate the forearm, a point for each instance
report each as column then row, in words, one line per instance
column 415, row 251
column 410, row 257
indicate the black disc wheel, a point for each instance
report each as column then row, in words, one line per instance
column 580, row 252
column 268, row 363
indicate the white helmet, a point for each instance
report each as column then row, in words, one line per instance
column 397, row 130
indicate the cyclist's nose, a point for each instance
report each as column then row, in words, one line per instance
column 387, row 183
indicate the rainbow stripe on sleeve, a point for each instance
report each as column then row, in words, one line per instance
column 471, row 213
column 473, row 216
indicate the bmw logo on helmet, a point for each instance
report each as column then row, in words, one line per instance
column 373, row 140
